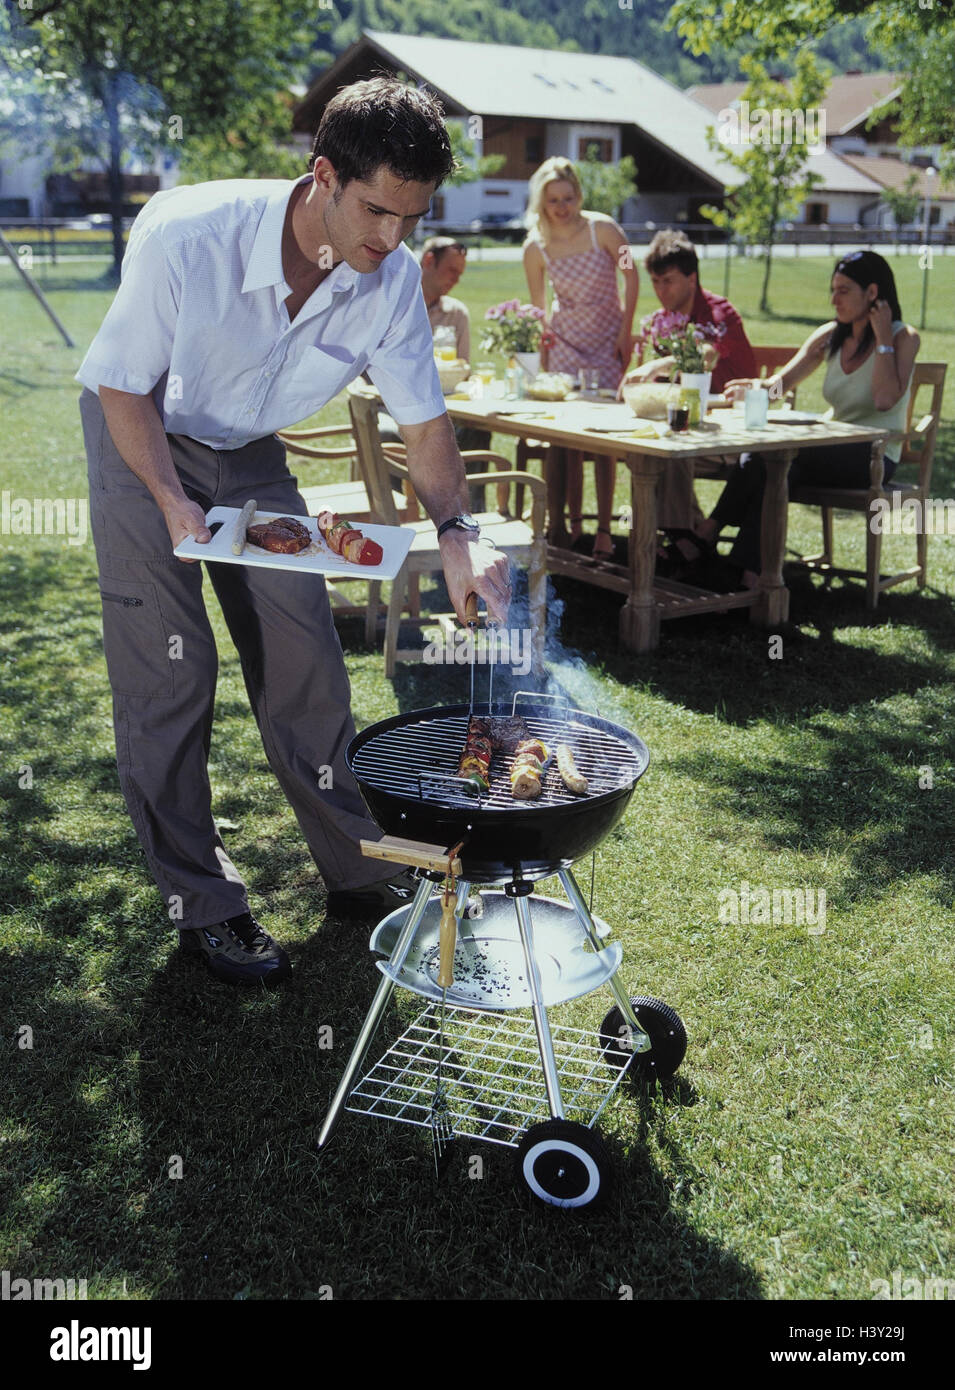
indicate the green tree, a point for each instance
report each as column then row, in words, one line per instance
column 916, row 37
column 606, row 187
column 776, row 179
column 109, row 80
column 469, row 168
column 903, row 202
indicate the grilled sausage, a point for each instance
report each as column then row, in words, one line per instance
column 573, row 780
column 242, row 521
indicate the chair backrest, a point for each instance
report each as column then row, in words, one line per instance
column 919, row 447
column 770, row 359
column 376, row 471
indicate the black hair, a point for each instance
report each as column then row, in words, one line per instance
column 865, row 268
column 672, row 248
column 384, row 122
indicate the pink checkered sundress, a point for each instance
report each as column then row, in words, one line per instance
column 586, row 313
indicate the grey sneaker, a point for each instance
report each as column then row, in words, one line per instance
column 238, row 951
column 374, row 900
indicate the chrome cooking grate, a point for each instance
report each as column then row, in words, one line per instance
column 416, row 759
column 499, row 1092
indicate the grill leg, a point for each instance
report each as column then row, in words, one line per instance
column 639, row 1040
column 544, row 1040
column 373, row 1017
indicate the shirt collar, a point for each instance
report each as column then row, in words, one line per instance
column 264, row 267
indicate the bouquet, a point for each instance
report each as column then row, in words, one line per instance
column 677, row 336
column 513, row 327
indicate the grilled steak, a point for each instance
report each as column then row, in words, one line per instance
column 283, row 536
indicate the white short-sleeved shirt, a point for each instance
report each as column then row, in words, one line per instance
column 199, row 321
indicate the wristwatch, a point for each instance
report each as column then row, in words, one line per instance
column 885, row 347
column 464, row 522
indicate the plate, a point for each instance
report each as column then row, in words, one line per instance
column 792, row 417
column 395, row 542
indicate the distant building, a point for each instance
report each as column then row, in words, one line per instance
column 530, row 103
column 852, row 101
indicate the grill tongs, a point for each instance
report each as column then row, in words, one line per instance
column 473, row 620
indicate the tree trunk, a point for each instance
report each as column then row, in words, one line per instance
column 115, row 173
column 770, row 241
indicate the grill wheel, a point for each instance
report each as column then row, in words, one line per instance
column 665, row 1029
column 564, row 1164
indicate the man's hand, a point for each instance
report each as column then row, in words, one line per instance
column 475, row 567
column 184, row 518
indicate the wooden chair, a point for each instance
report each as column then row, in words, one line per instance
column 522, row 543
column 769, row 360
column 349, row 499
column 918, row 452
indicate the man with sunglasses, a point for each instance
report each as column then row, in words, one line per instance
column 443, row 262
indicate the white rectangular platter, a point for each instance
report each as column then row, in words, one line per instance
column 395, row 542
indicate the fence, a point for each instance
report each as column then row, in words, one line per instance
column 50, row 237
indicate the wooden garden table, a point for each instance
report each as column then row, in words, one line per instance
column 576, row 424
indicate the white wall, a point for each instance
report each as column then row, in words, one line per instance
column 24, row 178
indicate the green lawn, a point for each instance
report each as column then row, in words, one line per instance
column 805, row 1150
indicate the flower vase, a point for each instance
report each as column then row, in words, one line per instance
column 529, row 363
column 700, row 383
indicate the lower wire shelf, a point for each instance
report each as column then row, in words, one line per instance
column 491, row 1071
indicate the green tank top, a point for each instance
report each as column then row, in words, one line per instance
column 850, row 395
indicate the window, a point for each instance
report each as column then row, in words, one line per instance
column 534, row 149
column 817, row 213
column 603, row 148
column 437, row 207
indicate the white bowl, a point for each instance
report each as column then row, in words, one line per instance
column 451, row 374
column 649, row 399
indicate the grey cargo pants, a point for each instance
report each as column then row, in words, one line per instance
column 292, row 663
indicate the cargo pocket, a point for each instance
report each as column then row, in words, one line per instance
column 138, row 654
column 133, row 525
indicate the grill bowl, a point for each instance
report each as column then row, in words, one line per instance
column 401, row 766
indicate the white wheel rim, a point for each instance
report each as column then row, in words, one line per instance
column 564, row 1146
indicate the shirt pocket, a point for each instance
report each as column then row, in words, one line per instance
column 138, row 651
column 319, row 375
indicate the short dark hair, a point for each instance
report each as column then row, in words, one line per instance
column 672, row 248
column 383, row 122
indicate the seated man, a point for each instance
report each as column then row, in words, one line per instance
column 673, row 267
column 443, row 262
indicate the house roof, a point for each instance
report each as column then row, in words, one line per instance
column 849, row 101
column 893, row 173
column 552, row 84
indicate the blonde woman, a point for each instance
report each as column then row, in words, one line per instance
column 580, row 254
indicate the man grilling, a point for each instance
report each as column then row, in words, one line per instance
column 245, row 305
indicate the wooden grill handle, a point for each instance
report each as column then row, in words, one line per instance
column 448, row 941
